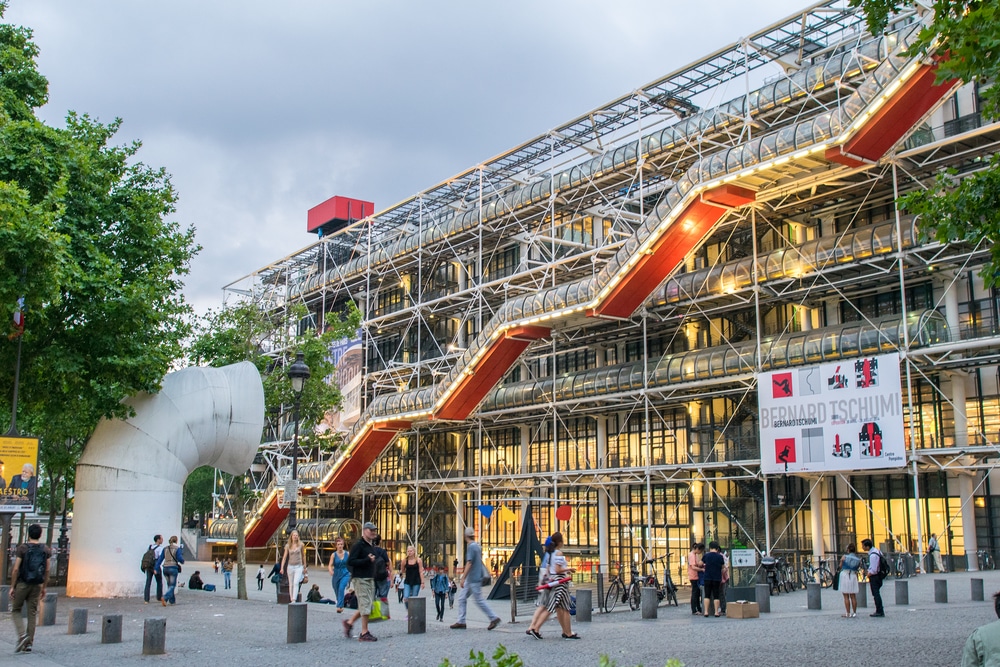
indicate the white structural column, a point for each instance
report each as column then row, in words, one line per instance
column 958, row 400
column 603, row 518
column 966, row 490
column 130, row 479
column 816, row 516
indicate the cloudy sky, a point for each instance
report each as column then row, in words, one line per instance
column 261, row 110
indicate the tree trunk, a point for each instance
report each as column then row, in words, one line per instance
column 241, row 540
column 53, row 484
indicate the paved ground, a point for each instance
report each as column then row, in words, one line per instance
column 216, row 629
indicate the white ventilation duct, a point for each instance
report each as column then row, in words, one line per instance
column 130, row 480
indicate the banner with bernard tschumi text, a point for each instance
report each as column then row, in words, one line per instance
column 845, row 415
column 18, row 474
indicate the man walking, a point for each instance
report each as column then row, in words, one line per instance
column 153, row 571
column 934, row 551
column 874, row 578
column 31, row 575
column 362, row 564
column 472, row 582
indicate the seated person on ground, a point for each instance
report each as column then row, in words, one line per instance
column 195, row 583
column 315, row 596
column 350, row 599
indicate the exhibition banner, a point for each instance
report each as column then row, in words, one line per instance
column 840, row 416
column 18, row 474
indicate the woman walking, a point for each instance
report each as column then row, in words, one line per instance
column 169, row 564
column 559, row 598
column 338, row 570
column 293, row 564
column 849, row 564
column 412, row 571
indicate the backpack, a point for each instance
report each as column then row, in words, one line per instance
column 883, row 565
column 33, row 565
column 852, row 562
column 148, row 563
column 381, row 573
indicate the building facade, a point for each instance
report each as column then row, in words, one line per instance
column 582, row 320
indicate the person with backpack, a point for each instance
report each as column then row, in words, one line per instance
column 848, row 580
column 440, row 585
column 878, row 570
column 170, row 561
column 151, row 569
column 31, row 575
column 382, row 581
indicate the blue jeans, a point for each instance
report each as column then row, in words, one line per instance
column 410, row 591
column 473, row 588
column 227, row 576
column 170, row 575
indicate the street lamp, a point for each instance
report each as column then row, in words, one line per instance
column 298, row 373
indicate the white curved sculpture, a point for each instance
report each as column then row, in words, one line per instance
column 130, row 480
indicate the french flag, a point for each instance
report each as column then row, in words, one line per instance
column 18, row 319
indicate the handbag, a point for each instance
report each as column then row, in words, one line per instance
column 276, row 578
column 487, row 580
column 836, row 580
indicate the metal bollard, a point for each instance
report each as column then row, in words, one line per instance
column 814, row 595
column 863, row 595
column 78, row 621
column 154, row 636
column 297, row 623
column 977, row 590
column 584, row 605
column 48, row 611
column 649, row 602
column 416, row 616
column 4, row 598
column 763, row 592
column 902, row 592
column 111, row 629
column 941, row 591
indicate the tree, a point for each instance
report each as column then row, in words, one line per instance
column 86, row 242
column 198, row 490
column 247, row 332
column 965, row 39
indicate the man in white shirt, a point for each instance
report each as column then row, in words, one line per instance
column 934, row 551
column 874, row 579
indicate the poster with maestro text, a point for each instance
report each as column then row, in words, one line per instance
column 845, row 415
column 18, row 473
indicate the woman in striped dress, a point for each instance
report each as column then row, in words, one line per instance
column 559, row 601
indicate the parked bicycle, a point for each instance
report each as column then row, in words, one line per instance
column 667, row 590
column 776, row 574
column 985, row 560
column 617, row 590
column 821, row 573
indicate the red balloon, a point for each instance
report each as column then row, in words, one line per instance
column 564, row 512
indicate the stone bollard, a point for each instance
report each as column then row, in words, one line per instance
column 48, row 611
column 584, row 605
column 902, row 592
column 297, row 623
column 154, row 636
column 78, row 621
column 941, row 591
column 863, row 595
column 111, row 629
column 4, row 598
column 416, row 616
column 814, row 595
column 977, row 590
column 649, row 602
column 763, row 592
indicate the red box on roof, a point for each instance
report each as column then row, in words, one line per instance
column 336, row 212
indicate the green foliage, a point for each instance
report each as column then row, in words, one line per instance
column 965, row 36
column 502, row 657
column 85, row 241
column 605, row 661
column 246, row 332
column 198, row 491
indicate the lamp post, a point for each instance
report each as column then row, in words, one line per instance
column 298, row 373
